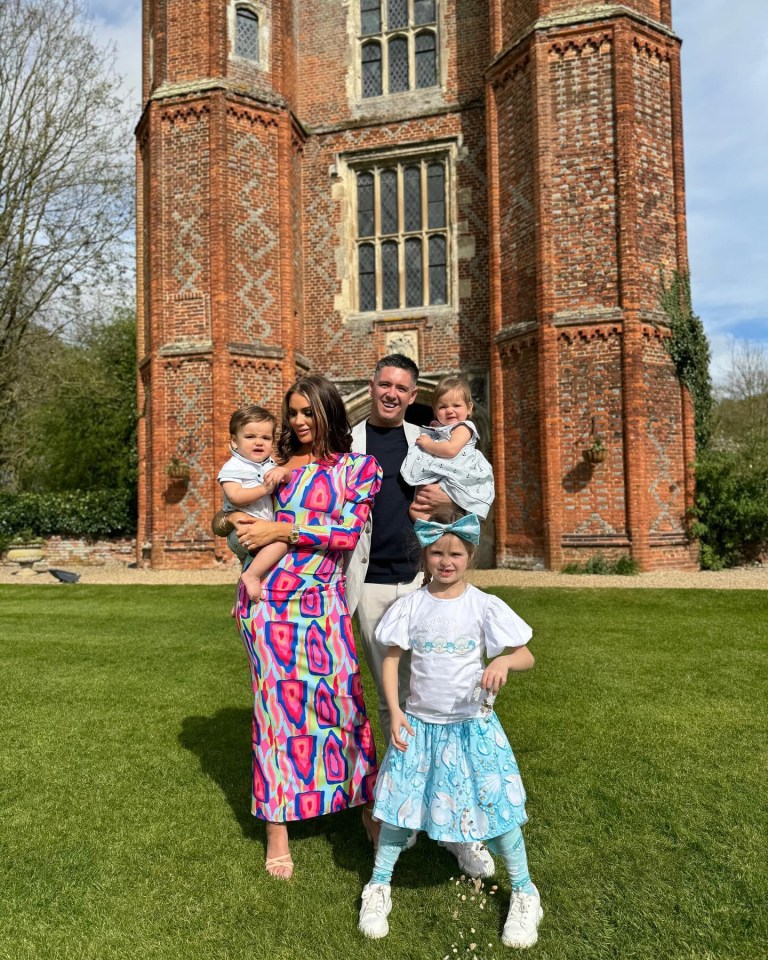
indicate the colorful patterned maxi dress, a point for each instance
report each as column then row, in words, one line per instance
column 313, row 750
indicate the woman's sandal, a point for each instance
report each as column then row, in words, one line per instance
column 280, row 863
column 372, row 827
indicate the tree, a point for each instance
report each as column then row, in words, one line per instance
column 65, row 176
column 82, row 433
column 732, row 474
column 742, row 414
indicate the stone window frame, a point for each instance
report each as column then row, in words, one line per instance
column 382, row 39
column 347, row 168
column 261, row 12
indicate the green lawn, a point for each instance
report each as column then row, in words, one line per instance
column 126, row 832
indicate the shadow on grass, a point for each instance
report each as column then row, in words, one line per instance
column 223, row 745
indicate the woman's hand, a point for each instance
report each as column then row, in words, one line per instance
column 254, row 533
column 398, row 721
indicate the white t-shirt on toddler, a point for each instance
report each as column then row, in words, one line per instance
column 449, row 640
column 248, row 474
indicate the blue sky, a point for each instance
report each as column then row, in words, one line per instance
column 725, row 88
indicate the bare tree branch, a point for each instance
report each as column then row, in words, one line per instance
column 65, row 172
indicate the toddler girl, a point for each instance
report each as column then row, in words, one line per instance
column 247, row 480
column 446, row 452
column 449, row 769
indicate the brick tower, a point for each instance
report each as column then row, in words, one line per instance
column 217, row 243
column 587, row 213
column 489, row 187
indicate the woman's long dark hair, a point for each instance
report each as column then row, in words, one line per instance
column 333, row 435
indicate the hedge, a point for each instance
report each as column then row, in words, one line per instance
column 92, row 513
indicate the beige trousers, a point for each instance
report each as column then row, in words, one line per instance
column 375, row 599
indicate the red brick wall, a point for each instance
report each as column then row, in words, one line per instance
column 521, row 540
column 583, row 174
column 590, row 401
column 653, row 174
column 516, row 192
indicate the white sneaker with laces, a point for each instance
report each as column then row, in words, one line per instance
column 473, row 858
column 522, row 927
column 376, row 907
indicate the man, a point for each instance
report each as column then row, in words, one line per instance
column 385, row 564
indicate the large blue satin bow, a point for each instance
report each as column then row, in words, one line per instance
column 468, row 528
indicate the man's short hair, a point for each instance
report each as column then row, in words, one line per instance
column 397, row 360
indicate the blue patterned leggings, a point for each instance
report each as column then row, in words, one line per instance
column 509, row 846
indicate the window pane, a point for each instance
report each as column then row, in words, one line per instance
column 365, row 225
column 414, row 286
column 371, row 70
column 435, row 196
column 370, row 16
column 388, row 195
column 426, row 60
column 398, row 64
column 390, row 277
column 412, row 186
column 424, row 11
column 437, row 279
column 247, row 34
column 366, row 256
column 397, row 14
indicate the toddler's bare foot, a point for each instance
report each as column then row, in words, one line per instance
column 252, row 584
column 233, row 611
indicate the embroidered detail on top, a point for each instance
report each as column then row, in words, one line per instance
column 451, row 645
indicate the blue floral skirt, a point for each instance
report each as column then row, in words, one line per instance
column 456, row 781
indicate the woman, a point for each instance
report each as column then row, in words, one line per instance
column 313, row 750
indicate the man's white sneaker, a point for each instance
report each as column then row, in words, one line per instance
column 377, row 904
column 473, row 858
column 522, row 926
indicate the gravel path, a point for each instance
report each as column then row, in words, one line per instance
column 742, row 578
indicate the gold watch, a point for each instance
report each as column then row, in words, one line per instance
column 293, row 536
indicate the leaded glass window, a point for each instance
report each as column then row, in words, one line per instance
column 370, row 17
column 372, row 70
column 404, row 55
column 366, row 258
column 388, row 194
column 436, row 195
column 402, row 239
column 423, row 11
column 390, row 280
column 365, row 217
column 397, row 14
column 437, row 272
column 426, row 60
column 398, row 64
column 412, row 200
column 414, row 282
column 246, row 34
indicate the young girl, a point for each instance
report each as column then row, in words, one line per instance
column 449, row 769
column 446, row 452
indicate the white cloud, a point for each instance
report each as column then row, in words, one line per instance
column 725, row 77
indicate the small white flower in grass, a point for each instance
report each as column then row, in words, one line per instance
column 473, row 946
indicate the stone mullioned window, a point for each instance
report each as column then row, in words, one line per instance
column 398, row 46
column 402, row 233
